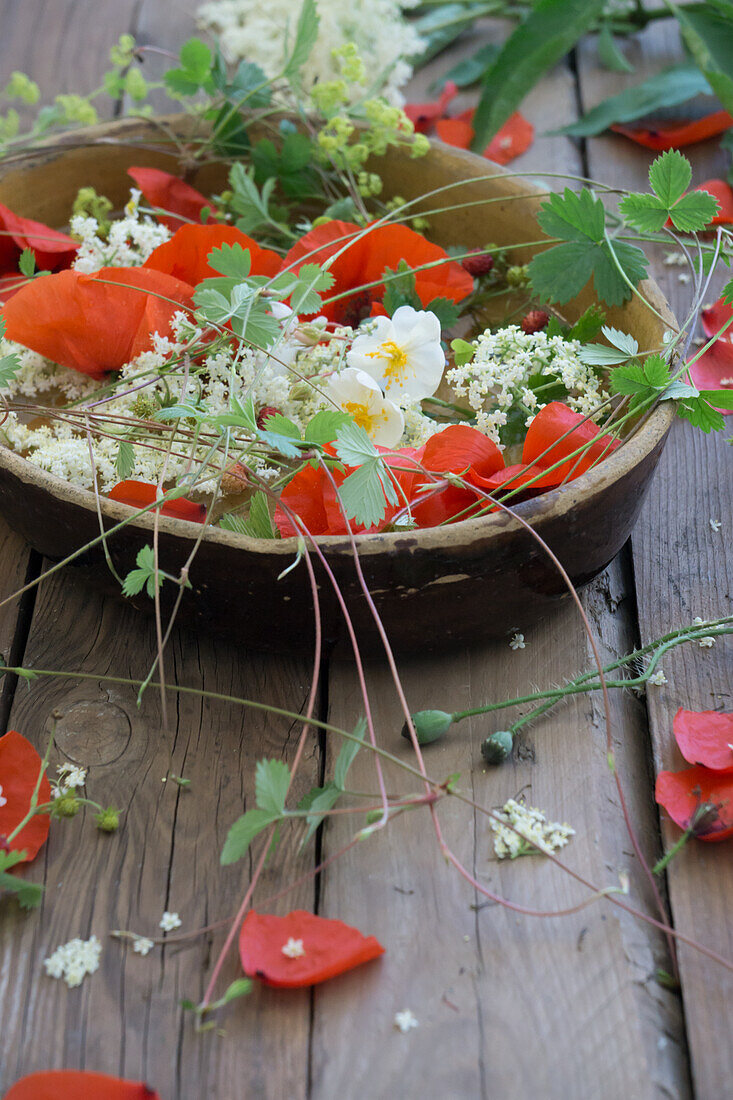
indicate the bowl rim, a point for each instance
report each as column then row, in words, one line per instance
column 552, row 504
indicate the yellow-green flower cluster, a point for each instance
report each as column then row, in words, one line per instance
column 76, row 108
column 22, row 87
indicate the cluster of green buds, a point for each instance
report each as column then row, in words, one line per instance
column 22, row 88
column 430, row 725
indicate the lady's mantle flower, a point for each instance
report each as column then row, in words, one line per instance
column 403, row 354
column 534, row 833
column 170, row 921
column 404, row 1021
column 74, row 960
column 293, row 949
column 517, row 642
column 359, row 395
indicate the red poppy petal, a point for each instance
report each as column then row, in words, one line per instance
column 303, row 495
column 515, row 477
column 52, row 250
column 72, row 1084
column 423, row 114
column 679, row 135
column 173, row 194
column 723, row 192
column 455, row 131
column 19, row 768
column 138, row 494
column 705, row 737
column 513, row 139
column 713, row 370
column 331, row 947
column 544, row 433
column 95, row 323
column 185, row 255
column 682, row 792
column 460, row 447
column 714, row 317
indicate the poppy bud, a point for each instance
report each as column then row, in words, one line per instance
column 66, row 805
column 478, row 263
column 535, row 321
column 497, row 747
column 265, row 412
column 108, row 820
column 518, row 276
column 429, row 725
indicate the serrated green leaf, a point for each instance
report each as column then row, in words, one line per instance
column 646, row 213
column 125, row 460
column 610, row 285
column 707, row 30
column 247, row 86
column 319, row 801
column 701, row 414
column 721, row 399
column 27, row 894
column 306, row 34
column 445, row 310
column 621, row 340
column 694, row 211
column 9, row 367
column 669, row 176
column 243, row 832
column 272, row 779
column 258, row 524
column 610, row 55
column 629, row 379
column 276, row 422
column 27, row 263
column 347, row 755
column 598, row 355
column 573, row 216
column 400, row 288
column 666, row 89
column 656, row 371
column 588, row 325
column 363, row 494
column 560, row 273
column 283, row 444
column 231, row 260
column 549, row 31
column 195, row 58
column 353, row 445
column 305, row 297
column 678, row 390
column 324, row 426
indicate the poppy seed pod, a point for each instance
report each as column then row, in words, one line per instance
column 429, row 725
column 497, row 747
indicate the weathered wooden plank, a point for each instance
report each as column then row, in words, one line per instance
column 127, row 1018
column 505, row 1003
column 683, row 569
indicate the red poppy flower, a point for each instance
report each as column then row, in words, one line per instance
column 458, row 449
column 52, row 250
column 544, row 434
column 167, row 192
column 19, row 768
column 705, row 737
column 423, row 115
column 679, row 135
column 72, row 1084
column 513, row 139
column 185, row 255
column 682, row 794
column 364, row 261
column 329, row 947
column 138, row 494
column 91, row 323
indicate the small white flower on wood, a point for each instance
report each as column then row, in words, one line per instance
column 293, row 949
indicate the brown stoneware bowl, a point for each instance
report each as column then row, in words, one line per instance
column 433, row 588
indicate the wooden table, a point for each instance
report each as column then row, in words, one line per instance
column 507, row 1005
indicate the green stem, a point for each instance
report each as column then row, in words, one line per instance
column 661, row 865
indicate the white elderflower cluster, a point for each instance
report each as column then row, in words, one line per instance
column 74, row 960
column 534, row 832
column 257, row 32
column 496, row 381
column 128, row 244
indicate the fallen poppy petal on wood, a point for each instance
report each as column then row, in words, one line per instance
column 301, row 949
column 713, row 370
column 171, row 193
column 423, row 115
column 20, row 765
column 455, row 131
column 683, row 794
column 185, row 255
column 678, row 135
column 138, row 494
column 513, row 139
column 95, row 323
column 72, row 1084
column 546, row 432
column 705, row 737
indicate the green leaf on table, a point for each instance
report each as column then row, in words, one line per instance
column 272, row 779
column 145, row 576
column 610, row 54
column 549, row 31
column 669, row 177
column 707, row 30
column 243, row 832
column 666, row 89
column 438, row 28
column 347, row 755
column 306, row 33
column 470, row 70
column 701, row 414
column 240, row 987
column 560, row 273
column 27, row 894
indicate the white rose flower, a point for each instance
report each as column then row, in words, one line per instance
column 402, row 353
column 359, row 395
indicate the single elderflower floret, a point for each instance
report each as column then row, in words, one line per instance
column 293, row 949
column 517, row 642
column 531, row 834
column 658, row 679
column 359, row 395
column 170, row 921
column 403, row 354
column 142, row 945
column 405, row 1020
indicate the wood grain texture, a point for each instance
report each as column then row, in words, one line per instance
column 506, row 1003
column 683, row 569
column 127, row 1019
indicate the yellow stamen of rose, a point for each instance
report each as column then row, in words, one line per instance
column 396, row 358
